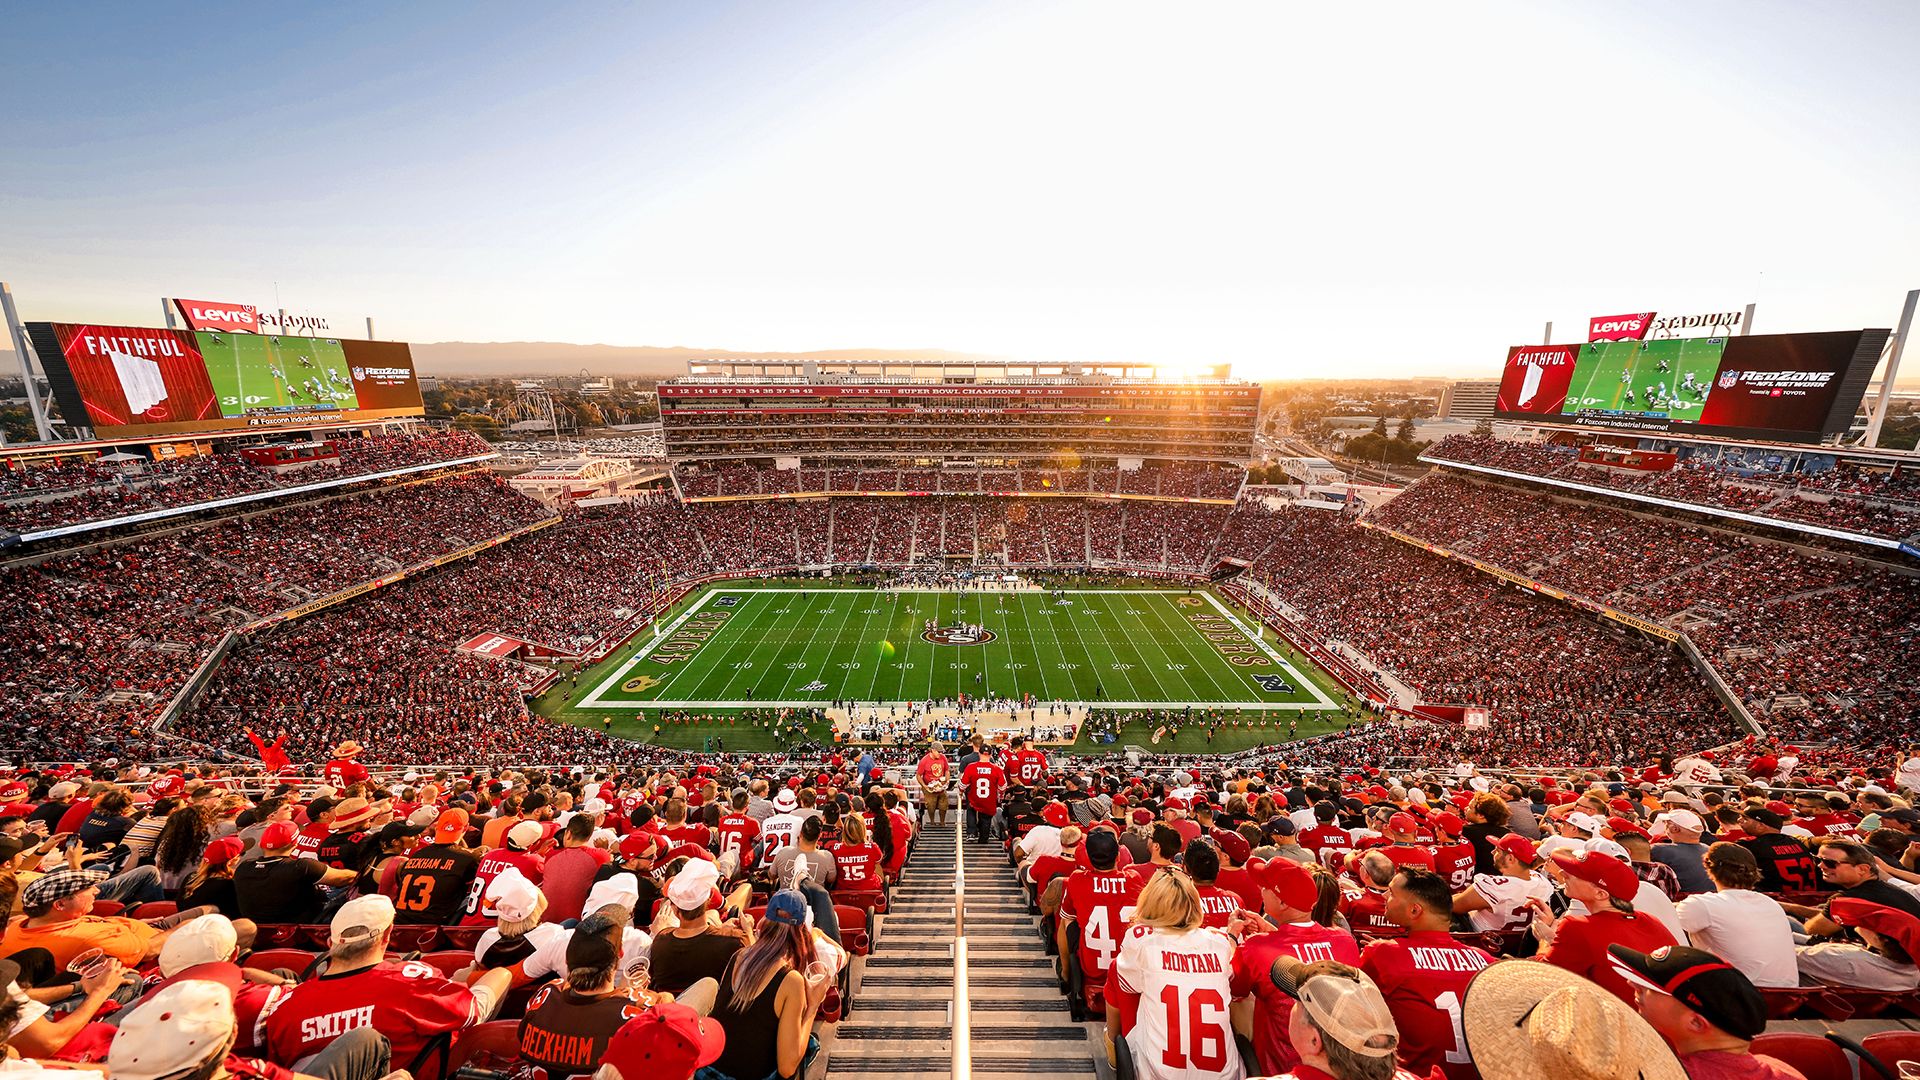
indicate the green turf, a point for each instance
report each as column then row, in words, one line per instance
column 1598, row 385
column 242, row 368
column 809, row 647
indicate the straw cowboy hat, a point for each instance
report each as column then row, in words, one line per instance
column 1526, row 1020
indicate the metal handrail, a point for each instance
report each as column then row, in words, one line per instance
column 962, row 1018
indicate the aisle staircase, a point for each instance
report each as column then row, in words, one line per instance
column 1015, row 1022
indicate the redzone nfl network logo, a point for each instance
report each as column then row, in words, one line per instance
column 1619, row 327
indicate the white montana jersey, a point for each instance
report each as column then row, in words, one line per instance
column 1508, row 898
column 1182, row 1030
column 778, row 833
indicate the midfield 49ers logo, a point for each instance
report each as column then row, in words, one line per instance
column 958, row 635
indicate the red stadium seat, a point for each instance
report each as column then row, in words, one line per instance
column 106, row 908
column 448, row 961
column 294, row 960
column 154, row 909
column 1893, row 1048
column 407, row 939
column 853, row 929
column 1786, row 1002
column 1815, row 1057
column 493, row 1045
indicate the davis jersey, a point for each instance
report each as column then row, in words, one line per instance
column 1181, row 1030
column 1101, row 902
column 1424, row 976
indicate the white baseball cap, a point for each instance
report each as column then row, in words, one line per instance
column 691, row 887
column 525, row 835
column 622, row 889
column 205, row 940
column 786, row 800
column 360, row 918
column 1586, row 823
column 1600, row 845
column 179, row 1027
column 513, row 895
column 1683, row 819
column 594, row 807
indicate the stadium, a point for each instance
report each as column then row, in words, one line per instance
column 850, row 586
column 960, row 541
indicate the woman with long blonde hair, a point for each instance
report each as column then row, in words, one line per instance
column 1180, row 974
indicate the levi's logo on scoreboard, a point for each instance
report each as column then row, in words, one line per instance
column 215, row 315
column 1619, row 327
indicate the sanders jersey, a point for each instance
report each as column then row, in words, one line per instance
column 1183, row 983
column 1101, row 903
column 781, row 831
column 983, row 781
column 1424, row 976
column 408, row 1002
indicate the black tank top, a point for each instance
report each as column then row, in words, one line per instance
column 753, row 1033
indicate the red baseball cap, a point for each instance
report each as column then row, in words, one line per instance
column 166, row 787
column 1782, row 808
column 277, row 835
column 1622, row 825
column 1142, row 816
column 1448, row 823
column 1289, row 880
column 1603, row 870
column 1519, row 847
column 1887, row 921
column 451, row 827
column 635, row 844
column 223, row 851
column 1403, row 822
column 1232, row 845
column 1174, row 802
column 1055, row 814
column 666, row 1042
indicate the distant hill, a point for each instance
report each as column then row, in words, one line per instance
column 504, row 359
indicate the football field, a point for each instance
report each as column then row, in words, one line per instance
column 1669, row 377
column 258, row 372
column 739, row 648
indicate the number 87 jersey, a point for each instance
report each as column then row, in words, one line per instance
column 1182, row 979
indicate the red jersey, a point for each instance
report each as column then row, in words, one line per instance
column 1580, row 945
column 1101, row 902
column 1273, row 1009
column 1409, row 855
column 1219, row 904
column 1047, row 867
column 1424, row 977
column 1326, row 838
column 306, row 843
column 984, row 781
column 1237, row 881
column 1455, row 863
column 1366, row 912
column 1029, row 765
column 341, row 773
column 859, row 867
column 697, row 835
column 737, row 833
column 407, row 1001
column 480, row 910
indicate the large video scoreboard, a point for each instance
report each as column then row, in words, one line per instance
column 1791, row 387
column 133, row 381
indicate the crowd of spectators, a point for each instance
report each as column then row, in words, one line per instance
column 103, row 638
column 1186, row 480
column 46, row 496
column 1846, row 497
column 1819, row 645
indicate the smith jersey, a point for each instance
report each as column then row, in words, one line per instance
column 1101, row 902
column 408, row 1002
column 1455, row 863
column 1181, row 1030
column 1425, row 977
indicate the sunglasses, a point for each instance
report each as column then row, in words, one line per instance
column 1831, row 863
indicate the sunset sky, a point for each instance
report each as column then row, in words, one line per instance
column 1299, row 189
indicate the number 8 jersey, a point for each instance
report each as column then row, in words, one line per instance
column 1181, row 1030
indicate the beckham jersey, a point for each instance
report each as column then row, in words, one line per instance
column 1181, row 1030
column 1101, row 903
